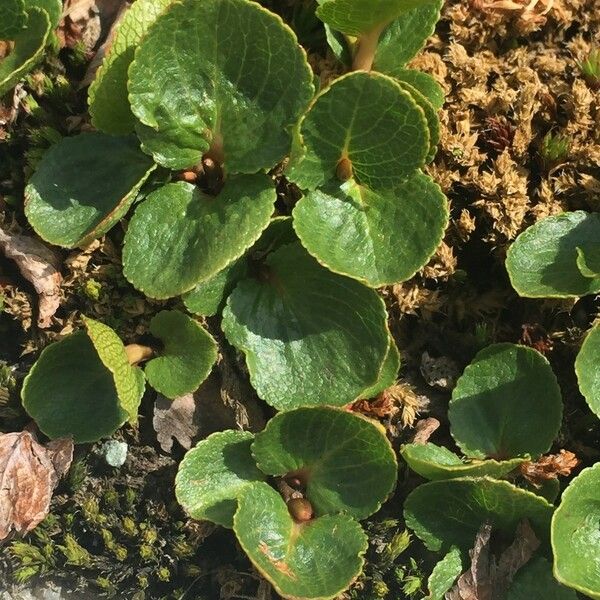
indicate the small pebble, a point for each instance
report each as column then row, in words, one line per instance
column 115, row 453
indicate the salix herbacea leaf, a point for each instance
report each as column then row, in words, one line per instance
column 388, row 374
column 543, row 261
column 212, row 475
column 186, row 357
column 450, row 512
column 444, row 574
column 82, row 187
column 53, row 8
column 438, row 462
column 13, row 19
column 108, row 96
column 425, row 83
column 180, row 236
column 381, row 237
column 310, row 336
column 535, row 580
column 587, row 368
column 368, row 121
column 315, row 560
column 576, row 534
column 507, row 403
column 344, row 461
column 224, row 77
column 588, row 260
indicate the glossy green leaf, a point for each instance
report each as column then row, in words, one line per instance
column 29, row 45
column 13, row 18
column 316, row 560
column 576, row 534
column 108, row 96
column 356, row 17
column 187, row 355
column 214, row 84
column 69, row 392
column 310, row 337
column 344, row 461
column 82, row 187
column 542, row 261
column 129, row 380
column 507, row 403
column 405, row 37
column 380, row 237
column 588, row 371
column 437, row 462
column 535, row 580
column 180, row 236
column 588, row 261
column 450, row 512
column 53, row 8
column 425, row 83
column 368, row 119
column 212, row 475
column 444, row 575
column 389, row 372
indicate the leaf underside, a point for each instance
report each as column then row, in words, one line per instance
column 588, row 373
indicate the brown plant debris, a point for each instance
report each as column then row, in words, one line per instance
column 175, row 420
column 29, row 472
column 549, row 467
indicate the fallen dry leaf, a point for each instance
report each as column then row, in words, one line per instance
column 39, row 265
column 549, row 467
column 424, row 429
column 28, row 475
column 175, row 420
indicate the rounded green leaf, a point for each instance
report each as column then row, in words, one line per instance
column 310, row 337
column 507, row 403
column 588, row 373
column 535, row 580
column 405, row 37
column 437, row 462
column 356, row 17
column 388, row 374
column 205, row 76
column 345, row 461
column 450, row 512
column 54, row 8
column 314, row 560
column 82, row 187
column 212, row 475
column 108, row 96
column 380, row 237
column 129, row 380
column 14, row 19
column 29, row 45
column 69, row 392
column 588, row 261
column 180, row 236
column 444, row 574
column 368, row 119
column 425, row 83
column 542, row 261
column 187, row 356
column 576, row 534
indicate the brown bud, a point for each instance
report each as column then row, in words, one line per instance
column 344, row 169
column 300, row 509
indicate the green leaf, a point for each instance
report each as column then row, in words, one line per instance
column 586, row 367
column 212, row 475
column 310, row 337
column 588, row 261
column 380, row 237
column 280, row 232
column 316, row 560
column 205, row 78
column 187, row 356
column 29, row 46
column 356, row 17
column 388, row 374
column 507, row 403
column 82, row 187
column 344, row 461
column 129, row 380
column 437, row 462
column 69, row 392
column 450, row 512
column 180, row 236
column 444, row 574
column 369, row 120
column 13, row 19
column 542, row 261
column 575, row 534
column 425, row 83
column 53, row 8
column 108, row 96
column 535, row 580
column 405, row 37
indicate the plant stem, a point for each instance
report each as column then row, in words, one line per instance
column 136, row 353
column 366, row 47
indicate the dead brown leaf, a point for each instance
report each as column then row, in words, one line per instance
column 175, row 420
column 39, row 265
column 549, row 467
column 424, row 429
column 28, row 475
